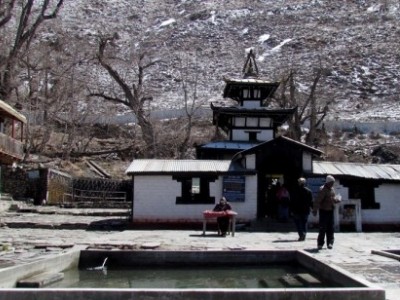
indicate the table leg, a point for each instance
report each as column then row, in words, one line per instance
column 233, row 225
column 204, row 226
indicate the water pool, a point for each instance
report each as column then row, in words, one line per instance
column 346, row 287
column 199, row 277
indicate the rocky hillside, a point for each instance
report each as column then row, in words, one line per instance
column 355, row 41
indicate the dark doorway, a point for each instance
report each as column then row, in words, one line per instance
column 283, row 168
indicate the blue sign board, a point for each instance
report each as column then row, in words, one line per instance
column 234, row 188
column 314, row 184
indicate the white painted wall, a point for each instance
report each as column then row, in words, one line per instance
column 155, row 200
column 239, row 135
column 388, row 197
column 251, row 104
column 248, row 209
column 265, row 135
column 243, row 135
column 307, row 162
column 250, row 161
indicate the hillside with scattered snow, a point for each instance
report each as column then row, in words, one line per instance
column 356, row 43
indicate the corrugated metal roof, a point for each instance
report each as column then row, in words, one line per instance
column 177, row 166
column 8, row 109
column 229, row 145
column 250, row 80
column 368, row 171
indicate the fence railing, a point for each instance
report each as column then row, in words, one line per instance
column 11, row 147
column 94, row 197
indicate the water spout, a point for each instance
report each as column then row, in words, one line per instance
column 103, row 267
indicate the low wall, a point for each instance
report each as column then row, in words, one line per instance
column 9, row 276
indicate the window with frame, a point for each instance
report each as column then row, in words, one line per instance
column 246, row 93
column 195, row 190
column 251, row 93
column 365, row 191
column 240, row 121
column 252, row 122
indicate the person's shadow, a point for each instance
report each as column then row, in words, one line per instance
column 312, row 250
column 285, row 241
column 206, row 235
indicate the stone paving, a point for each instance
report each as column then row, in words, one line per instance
column 33, row 235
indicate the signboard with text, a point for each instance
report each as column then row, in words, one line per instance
column 314, row 184
column 234, row 188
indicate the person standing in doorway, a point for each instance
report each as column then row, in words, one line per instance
column 325, row 204
column 301, row 206
column 283, row 199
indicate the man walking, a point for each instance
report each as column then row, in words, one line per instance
column 301, row 206
column 325, row 205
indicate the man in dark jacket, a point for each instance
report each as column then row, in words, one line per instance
column 301, row 207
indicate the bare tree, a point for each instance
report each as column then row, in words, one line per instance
column 309, row 107
column 31, row 16
column 191, row 103
column 134, row 94
column 6, row 8
column 53, row 95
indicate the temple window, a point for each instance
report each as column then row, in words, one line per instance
column 252, row 122
column 366, row 194
column 265, row 122
column 195, row 185
column 194, row 190
column 363, row 190
column 240, row 122
column 246, row 93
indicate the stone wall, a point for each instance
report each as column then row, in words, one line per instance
column 14, row 181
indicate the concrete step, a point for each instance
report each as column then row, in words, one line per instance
column 40, row 280
column 289, row 280
column 308, row 280
column 6, row 197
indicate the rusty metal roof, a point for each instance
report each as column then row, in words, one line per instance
column 361, row 170
column 157, row 166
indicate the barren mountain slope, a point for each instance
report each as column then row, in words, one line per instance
column 356, row 42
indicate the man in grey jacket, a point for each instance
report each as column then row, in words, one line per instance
column 324, row 204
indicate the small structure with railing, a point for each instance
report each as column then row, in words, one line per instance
column 11, row 134
column 77, row 198
column 97, row 193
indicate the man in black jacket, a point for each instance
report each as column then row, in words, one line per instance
column 301, row 207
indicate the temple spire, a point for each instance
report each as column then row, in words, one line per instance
column 250, row 66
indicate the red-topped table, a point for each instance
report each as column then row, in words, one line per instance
column 210, row 214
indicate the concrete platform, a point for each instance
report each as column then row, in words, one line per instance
column 352, row 251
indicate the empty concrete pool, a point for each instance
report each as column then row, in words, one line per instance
column 301, row 277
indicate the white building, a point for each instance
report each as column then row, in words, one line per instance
column 244, row 167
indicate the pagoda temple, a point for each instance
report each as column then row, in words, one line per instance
column 251, row 121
